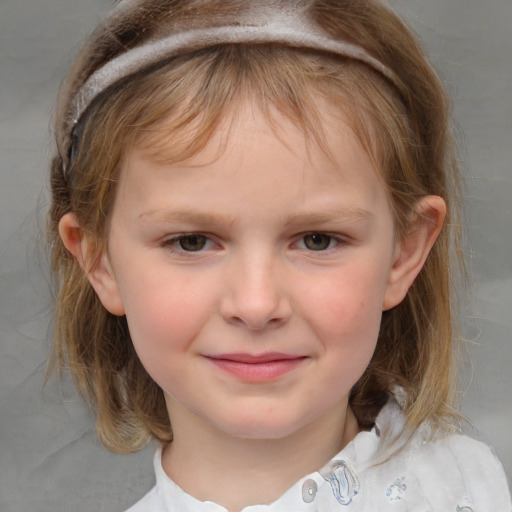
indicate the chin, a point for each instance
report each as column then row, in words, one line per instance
column 261, row 428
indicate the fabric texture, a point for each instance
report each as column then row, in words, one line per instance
column 450, row 473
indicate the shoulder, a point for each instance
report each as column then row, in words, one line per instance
column 445, row 473
column 462, row 458
column 468, row 454
column 148, row 502
column 457, row 467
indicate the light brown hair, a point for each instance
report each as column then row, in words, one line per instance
column 404, row 126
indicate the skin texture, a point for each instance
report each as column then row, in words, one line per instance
column 253, row 281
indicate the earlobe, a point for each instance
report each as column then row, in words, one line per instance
column 414, row 248
column 96, row 265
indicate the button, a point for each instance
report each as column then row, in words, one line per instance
column 309, row 490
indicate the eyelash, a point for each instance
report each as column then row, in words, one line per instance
column 330, row 239
column 175, row 242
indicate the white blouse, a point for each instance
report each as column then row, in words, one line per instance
column 451, row 473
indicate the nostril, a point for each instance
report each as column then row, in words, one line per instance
column 256, row 317
column 256, row 325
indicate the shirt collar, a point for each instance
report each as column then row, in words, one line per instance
column 337, row 481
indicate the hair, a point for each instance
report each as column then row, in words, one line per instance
column 405, row 126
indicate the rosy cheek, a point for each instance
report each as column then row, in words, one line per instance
column 347, row 307
column 169, row 316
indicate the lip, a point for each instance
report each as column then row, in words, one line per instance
column 257, row 367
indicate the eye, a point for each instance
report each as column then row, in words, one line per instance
column 318, row 242
column 189, row 243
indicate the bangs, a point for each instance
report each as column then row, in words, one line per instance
column 181, row 104
column 185, row 101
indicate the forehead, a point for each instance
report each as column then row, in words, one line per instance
column 179, row 138
column 253, row 154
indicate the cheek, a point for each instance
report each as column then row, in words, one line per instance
column 164, row 317
column 348, row 304
column 345, row 313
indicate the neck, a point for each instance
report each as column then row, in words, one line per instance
column 215, row 466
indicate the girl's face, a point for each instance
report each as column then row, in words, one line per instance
column 253, row 282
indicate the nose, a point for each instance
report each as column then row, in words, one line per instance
column 255, row 294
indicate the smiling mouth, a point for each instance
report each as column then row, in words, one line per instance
column 257, row 368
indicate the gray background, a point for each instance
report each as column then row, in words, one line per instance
column 49, row 457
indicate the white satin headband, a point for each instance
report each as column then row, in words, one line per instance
column 268, row 25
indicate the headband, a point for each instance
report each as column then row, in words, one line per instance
column 265, row 23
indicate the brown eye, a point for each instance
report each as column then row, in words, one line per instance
column 191, row 243
column 317, row 241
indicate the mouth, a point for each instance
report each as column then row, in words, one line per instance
column 257, row 367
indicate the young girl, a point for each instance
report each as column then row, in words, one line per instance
column 250, row 226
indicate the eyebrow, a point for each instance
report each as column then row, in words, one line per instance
column 334, row 216
column 193, row 216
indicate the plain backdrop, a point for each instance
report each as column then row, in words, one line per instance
column 50, row 460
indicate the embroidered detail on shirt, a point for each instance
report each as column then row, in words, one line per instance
column 396, row 489
column 309, row 490
column 464, row 509
column 343, row 480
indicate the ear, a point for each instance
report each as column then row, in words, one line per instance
column 96, row 266
column 414, row 247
